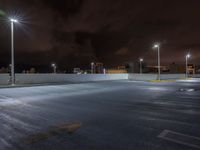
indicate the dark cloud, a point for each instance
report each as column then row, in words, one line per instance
column 76, row 32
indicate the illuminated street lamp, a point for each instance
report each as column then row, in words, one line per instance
column 12, row 21
column 104, row 70
column 158, row 47
column 53, row 65
column 92, row 67
column 141, row 60
column 186, row 64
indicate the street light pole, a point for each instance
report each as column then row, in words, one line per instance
column 141, row 60
column 158, row 46
column 92, row 68
column 12, row 21
column 54, row 67
column 186, row 65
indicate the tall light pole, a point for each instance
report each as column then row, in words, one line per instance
column 158, row 47
column 141, row 60
column 12, row 21
column 92, row 67
column 104, row 70
column 53, row 65
column 186, row 64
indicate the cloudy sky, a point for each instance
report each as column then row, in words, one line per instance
column 73, row 33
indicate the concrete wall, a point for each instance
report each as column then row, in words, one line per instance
column 147, row 77
column 56, row 78
column 172, row 76
column 62, row 78
column 4, row 78
column 142, row 77
column 195, row 76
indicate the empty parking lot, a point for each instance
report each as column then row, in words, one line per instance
column 113, row 115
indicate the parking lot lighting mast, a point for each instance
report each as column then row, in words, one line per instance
column 141, row 60
column 158, row 48
column 54, row 67
column 12, row 21
column 92, row 68
column 186, row 64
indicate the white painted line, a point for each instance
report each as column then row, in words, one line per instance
column 190, row 90
column 180, row 138
column 163, row 134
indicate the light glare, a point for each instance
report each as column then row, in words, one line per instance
column 188, row 55
column 13, row 20
column 156, row 45
column 53, row 65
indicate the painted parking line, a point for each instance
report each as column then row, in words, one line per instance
column 180, row 138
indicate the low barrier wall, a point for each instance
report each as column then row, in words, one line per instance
column 58, row 78
column 147, row 77
column 195, row 76
column 142, row 77
column 172, row 76
column 62, row 78
column 4, row 78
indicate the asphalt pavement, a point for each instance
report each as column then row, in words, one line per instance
column 112, row 115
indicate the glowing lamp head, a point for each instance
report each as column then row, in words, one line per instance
column 156, row 46
column 53, row 65
column 188, row 55
column 13, row 20
column 141, row 59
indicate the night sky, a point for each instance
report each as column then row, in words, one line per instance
column 73, row 33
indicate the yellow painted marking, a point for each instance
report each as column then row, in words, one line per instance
column 162, row 81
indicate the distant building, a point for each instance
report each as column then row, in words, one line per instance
column 117, row 70
column 197, row 69
column 98, row 67
column 180, row 68
column 191, row 69
column 4, row 70
column 134, row 67
column 76, row 70
column 32, row 70
column 154, row 69
column 176, row 68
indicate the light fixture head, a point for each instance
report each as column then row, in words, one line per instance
column 188, row 55
column 156, row 45
column 13, row 20
column 53, row 65
column 141, row 59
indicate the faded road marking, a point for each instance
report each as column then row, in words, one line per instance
column 180, row 138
